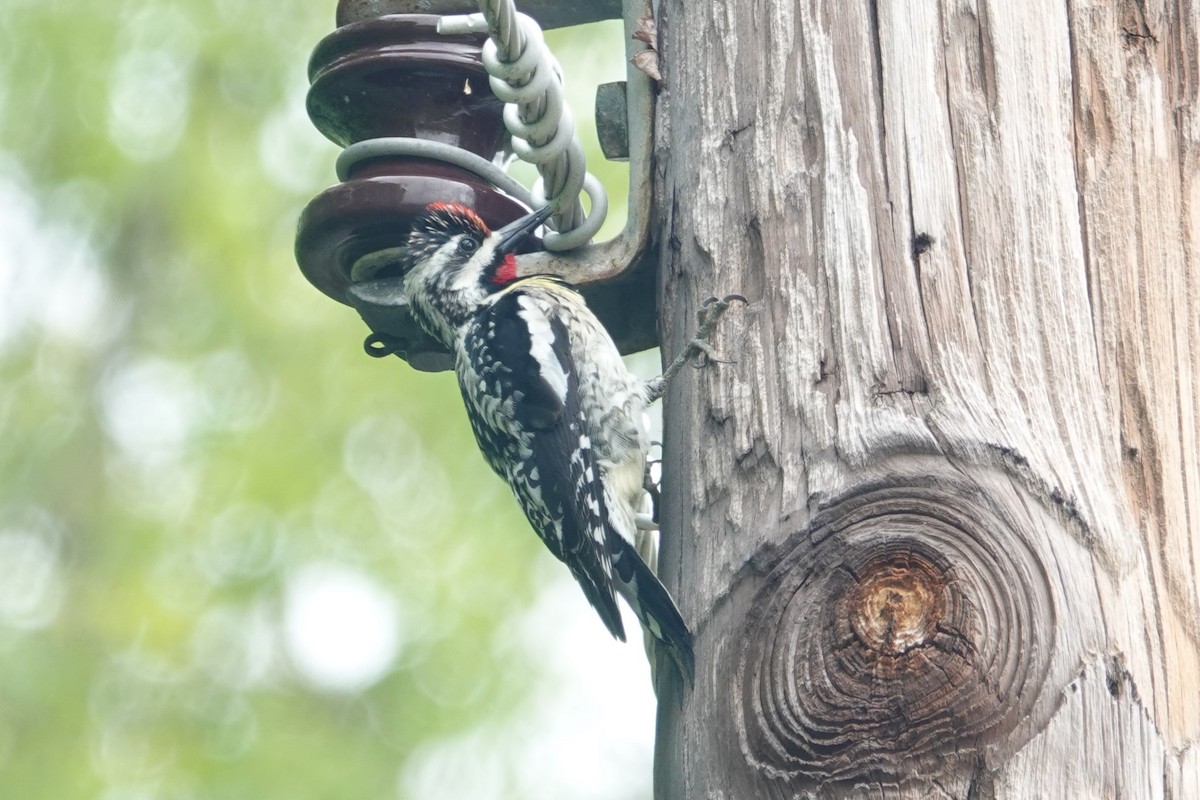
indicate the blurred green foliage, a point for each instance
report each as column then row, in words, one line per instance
column 199, row 468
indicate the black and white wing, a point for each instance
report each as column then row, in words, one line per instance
column 521, row 390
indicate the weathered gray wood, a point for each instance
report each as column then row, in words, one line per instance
column 938, row 530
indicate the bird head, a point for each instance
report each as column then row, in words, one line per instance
column 452, row 261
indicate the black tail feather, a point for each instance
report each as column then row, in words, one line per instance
column 652, row 604
column 602, row 599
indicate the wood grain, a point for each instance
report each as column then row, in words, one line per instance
column 939, row 527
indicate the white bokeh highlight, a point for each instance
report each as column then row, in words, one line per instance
column 150, row 85
column 586, row 730
column 51, row 278
column 148, row 408
column 341, row 628
column 32, row 587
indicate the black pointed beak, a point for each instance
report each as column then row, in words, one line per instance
column 514, row 233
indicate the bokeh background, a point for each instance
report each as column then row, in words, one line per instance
column 239, row 558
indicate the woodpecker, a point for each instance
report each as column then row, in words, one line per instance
column 554, row 409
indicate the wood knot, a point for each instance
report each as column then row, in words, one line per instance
column 907, row 627
column 897, row 603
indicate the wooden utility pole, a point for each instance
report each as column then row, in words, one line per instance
column 938, row 529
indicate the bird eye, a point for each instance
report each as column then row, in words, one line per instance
column 467, row 245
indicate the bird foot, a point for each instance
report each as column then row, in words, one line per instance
column 699, row 352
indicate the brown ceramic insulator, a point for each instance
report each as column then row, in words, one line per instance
column 397, row 76
column 548, row 13
column 371, row 212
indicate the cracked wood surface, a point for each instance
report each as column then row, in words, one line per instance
column 938, row 530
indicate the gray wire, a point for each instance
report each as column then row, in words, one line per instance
column 437, row 151
column 526, row 76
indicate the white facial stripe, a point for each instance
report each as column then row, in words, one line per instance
column 541, row 339
column 468, row 277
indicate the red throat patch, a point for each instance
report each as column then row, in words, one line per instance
column 507, row 272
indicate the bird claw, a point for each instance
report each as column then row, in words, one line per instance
column 699, row 353
column 709, row 313
column 703, row 354
column 713, row 307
